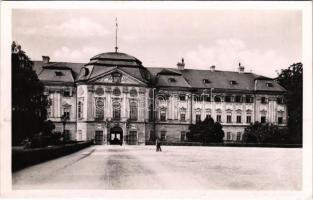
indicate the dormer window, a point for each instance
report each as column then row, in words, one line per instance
column 206, row 81
column 269, row 84
column 182, row 97
column 232, row 82
column 58, row 73
column 171, row 80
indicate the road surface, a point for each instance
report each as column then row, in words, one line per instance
column 186, row 168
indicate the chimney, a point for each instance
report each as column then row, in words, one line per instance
column 212, row 68
column 241, row 69
column 181, row 65
column 45, row 59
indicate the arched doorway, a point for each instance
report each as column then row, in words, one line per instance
column 116, row 135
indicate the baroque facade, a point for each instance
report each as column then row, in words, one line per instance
column 114, row 99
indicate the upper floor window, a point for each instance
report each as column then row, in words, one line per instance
column 171, row 80
column 263, row 100
column 66, row 112
column 238, row 99
column 219, row 118
column 217, row 99
column 151, row 112
column 99, row 108
column 269, row 84
column 116, row 91
column 133, row 92
column 228, row 118
column 206, row 98
column 228, row 98
column 280, row 120
column 249, row 99
column 238, row 119
column 163, row 116
column 206, row 81
column 116, row 111
column 80, row 109
column 182, row 97
column 198, row 118
column 133, row 110
column 116, row 77
column 67, row 92
column 232, row 82
column 248, row 120
column 263, row 119
column 182, row 117
column 280, row 100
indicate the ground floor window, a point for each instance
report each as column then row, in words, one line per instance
column 99, row 137
column 152, row 136
column 163, row 135
column 79, row 135
column 183, row 136
column 198, row 118
column 238, row 136
column 280, row 120
column 228, row 135
column 132, row 137
column 67, row 135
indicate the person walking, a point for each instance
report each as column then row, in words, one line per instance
column 158, row 145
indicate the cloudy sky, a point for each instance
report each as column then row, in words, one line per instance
column 263, row 41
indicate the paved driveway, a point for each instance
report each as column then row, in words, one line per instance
column 187, row 168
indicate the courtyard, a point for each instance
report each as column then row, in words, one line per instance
column 176, row 167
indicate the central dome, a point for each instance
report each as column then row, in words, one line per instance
column 114, row 59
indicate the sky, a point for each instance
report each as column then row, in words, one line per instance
column 263, row 41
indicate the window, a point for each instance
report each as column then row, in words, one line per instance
column 152, row 136
column 238, row 99
column 248, row 119
column 182, row 117
column 206, row 81
column 171, row 80
column 133, row 111
column 132, row 138
column 151, row 112
column 227, row 98
column 99, row 108
column 182, row 136
column 263, row 100
column 280, row 120
column 116, row 77
column 238, row 136
column 263, row 119
column 116, row 91
column 58, row 73
column 249, row 99
column 133, row 92
column 219, row 118
column 116, row 111
column 163, row 135
column 197, row 97
column 182, row 97
column 49, row 112
column 228, row 118
column 217, row 99
column 163, row 116
column 198, row 118
column 66, row 112
column 67, row 93
column 280, row 100
column 228, row 135
column 207, row 116
column 79, row 135
column 67, row 135
column 80, row 109
column 232, row 82
column 207, row 98
column 269, row 84
column 238, row 118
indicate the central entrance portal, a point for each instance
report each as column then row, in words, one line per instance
column 116, row 136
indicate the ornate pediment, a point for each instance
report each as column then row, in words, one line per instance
column 119, row 78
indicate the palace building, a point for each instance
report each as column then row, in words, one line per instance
column 114, row 99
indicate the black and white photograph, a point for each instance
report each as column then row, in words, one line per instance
column 139, row 96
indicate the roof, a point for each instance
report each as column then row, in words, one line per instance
column 162, row 77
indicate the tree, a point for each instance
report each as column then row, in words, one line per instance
column 206, row 131
column 265, row 133
column 292, row 80
column 29, row 114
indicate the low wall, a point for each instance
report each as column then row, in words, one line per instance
column 25, row 157
column 226, row 144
